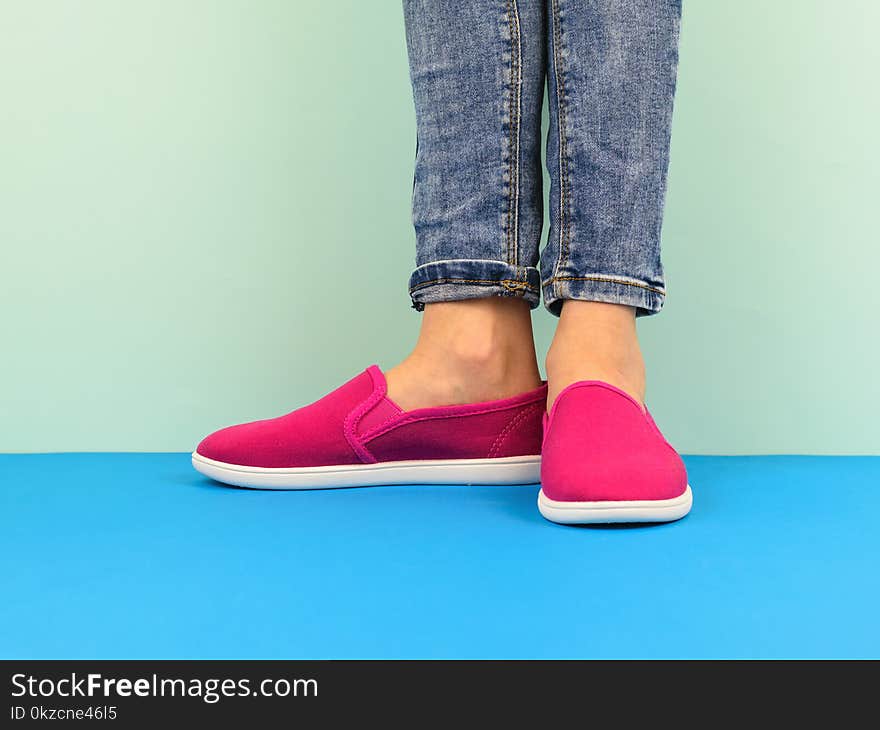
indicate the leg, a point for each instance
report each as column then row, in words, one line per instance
column 477, row 70
column 612, row 80
column 468, row 352
column 612, row 72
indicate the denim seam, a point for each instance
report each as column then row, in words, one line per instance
column 510, row 284
column 605, row 279
column 512, row 237
column 561, row 123
column 459, row 260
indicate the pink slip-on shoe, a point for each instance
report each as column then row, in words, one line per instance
column 605, row 460
column 357, row 437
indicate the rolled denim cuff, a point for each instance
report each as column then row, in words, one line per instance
column 646, row 298
column 457, row 279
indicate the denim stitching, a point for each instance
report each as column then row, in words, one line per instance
column 561, row 116
column 506, row 283
column 459, row 260
column 514, row 113
column 510, row 137
column 518, row 287
column 605, row 279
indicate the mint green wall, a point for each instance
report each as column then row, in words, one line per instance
column 204, row 218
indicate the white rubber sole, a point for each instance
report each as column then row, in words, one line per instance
column 508, row 470
column 588, row 513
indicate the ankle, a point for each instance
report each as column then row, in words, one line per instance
column 468, row 352
column 458, row 377
column 596, row 341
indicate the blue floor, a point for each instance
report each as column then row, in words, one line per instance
column 136, row 555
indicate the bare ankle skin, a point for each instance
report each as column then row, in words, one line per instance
column 596, row 341
column 468, row 351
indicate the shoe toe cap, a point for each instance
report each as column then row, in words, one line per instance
column 222, row 445
column 602, row 446
column 628, row 477
column 247, row 444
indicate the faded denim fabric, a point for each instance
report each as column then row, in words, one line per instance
column 478, row 71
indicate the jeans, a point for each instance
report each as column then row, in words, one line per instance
column 478, row 70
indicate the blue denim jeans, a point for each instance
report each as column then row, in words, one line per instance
column 478, row 71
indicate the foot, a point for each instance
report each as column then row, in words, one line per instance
column 468, row 352
column 604, row 460
column 603, row 457
column 596, row 341
column 357, row 437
